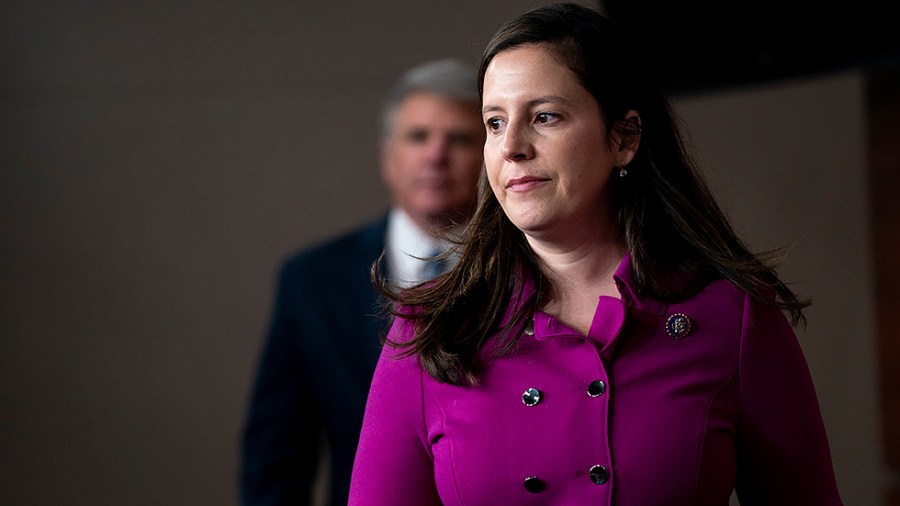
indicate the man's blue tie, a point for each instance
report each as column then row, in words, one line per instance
column 433, row 266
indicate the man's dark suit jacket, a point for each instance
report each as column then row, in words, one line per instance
column 314, row 371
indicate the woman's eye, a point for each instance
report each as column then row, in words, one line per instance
column 544, row 117
column 494, row 124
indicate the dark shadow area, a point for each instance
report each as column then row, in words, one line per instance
column 698, row 47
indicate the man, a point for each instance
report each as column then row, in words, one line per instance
column 323, row 342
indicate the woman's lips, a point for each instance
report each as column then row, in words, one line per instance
column 525, row 183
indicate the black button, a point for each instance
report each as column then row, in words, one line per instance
column 534, row 485
column 531, row 396
column 596, row 388
column 599, row 475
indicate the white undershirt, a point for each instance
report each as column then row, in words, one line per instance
column 406, row 244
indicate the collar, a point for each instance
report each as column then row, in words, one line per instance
column 605, row 329
column 624, row 279
column 407, row 245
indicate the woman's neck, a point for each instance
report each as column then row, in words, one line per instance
column 579, row 274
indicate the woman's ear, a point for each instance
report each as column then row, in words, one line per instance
column 626, row 137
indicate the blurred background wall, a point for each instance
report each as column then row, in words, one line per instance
column 159, row 159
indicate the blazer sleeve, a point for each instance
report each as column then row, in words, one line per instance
column 393, row 463
column 783, row 452
column 280, row 440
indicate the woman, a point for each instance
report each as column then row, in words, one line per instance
column 606, row 338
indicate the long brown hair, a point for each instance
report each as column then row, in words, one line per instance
column 677, row 236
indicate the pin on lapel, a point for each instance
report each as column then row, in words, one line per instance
column 678, row 325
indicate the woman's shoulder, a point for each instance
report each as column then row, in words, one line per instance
column 727, row 300
column 724, row 296
column 401, row 332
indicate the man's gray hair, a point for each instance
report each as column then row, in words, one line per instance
column 447, row 77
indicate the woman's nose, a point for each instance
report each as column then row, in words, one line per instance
column 517, row 143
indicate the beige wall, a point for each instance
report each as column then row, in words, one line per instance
column 158, row 159
column 789, row 160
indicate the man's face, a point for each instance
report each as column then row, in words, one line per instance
column 431, row 160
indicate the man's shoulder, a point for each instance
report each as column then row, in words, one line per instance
column 362, row 243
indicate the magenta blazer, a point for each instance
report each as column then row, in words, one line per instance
column 661, row 404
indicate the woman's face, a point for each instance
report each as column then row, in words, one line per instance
column 546, row 154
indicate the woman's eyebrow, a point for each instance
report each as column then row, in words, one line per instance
column 545, row 99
